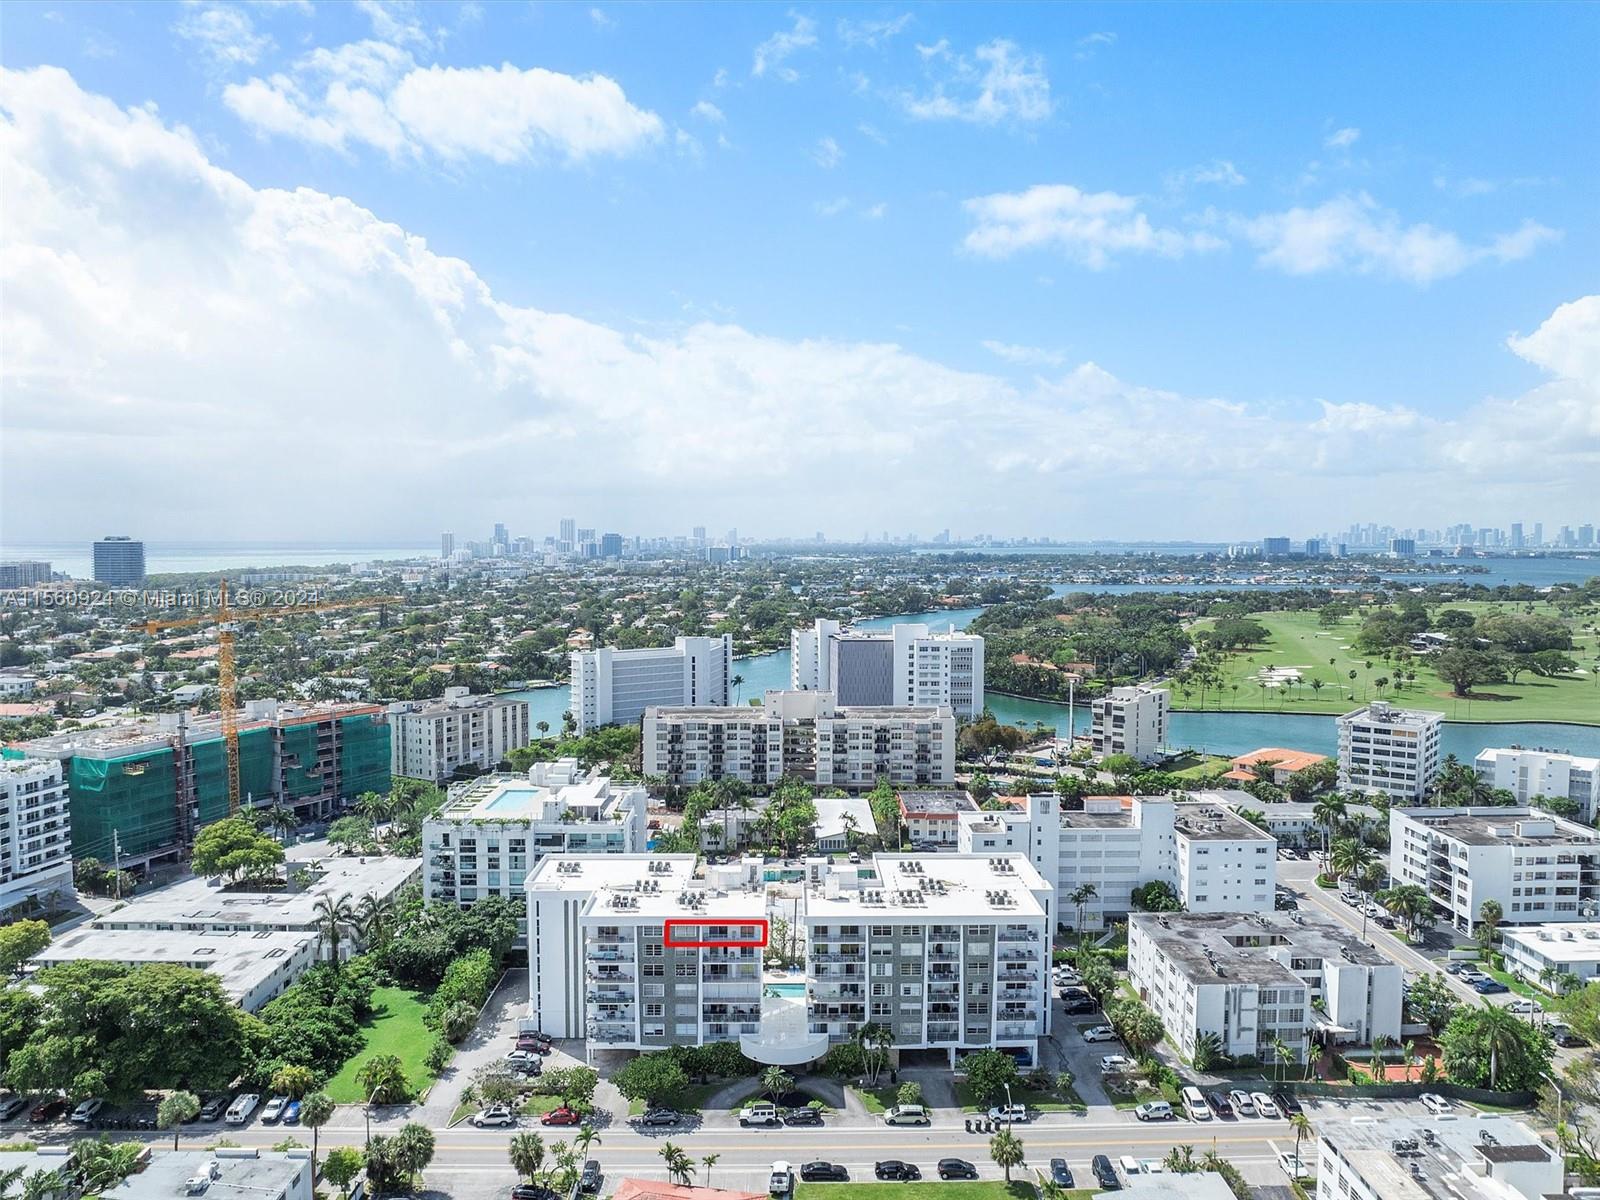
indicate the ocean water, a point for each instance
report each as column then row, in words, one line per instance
column 175, row 558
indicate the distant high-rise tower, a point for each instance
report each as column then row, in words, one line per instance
column 501, row 537
column 118, row 561
column 569, row 534
column 1274, row 547
column 699, row 535
column 1516, row 535
column 1538, row 533
column 447, row 544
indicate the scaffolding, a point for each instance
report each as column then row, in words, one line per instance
column 127, row 799
column 363, row 756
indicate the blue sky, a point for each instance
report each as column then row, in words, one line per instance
column 990, row 248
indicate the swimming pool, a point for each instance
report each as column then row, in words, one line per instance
column 792, row 991
column 511, row 798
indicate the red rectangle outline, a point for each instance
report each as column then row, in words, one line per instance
column 666, row 931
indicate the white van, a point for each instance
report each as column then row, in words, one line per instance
column 1194, row 1104
column 239, row 1111
column 906, row 1114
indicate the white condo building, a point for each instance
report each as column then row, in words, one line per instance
column 1131, row 720
column 1537, row 867
column 1402, row 1157
column 801, row 733
column 433, row 739
column 35, row 833
column 493, row 831
column 1389, row 751
column 641, row 952
column 1252, row 978
column 904, row 666
column 615, row 687
column 1566, row 948
column 1529, row 773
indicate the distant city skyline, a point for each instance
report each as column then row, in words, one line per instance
column 1121, row 271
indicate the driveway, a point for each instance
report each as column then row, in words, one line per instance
column 486, row 1044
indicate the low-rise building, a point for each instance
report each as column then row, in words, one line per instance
column 1529, row 773
column 1401, row 1157
column 252, row 967
column 1389, row 751
column 1537, row 867
column 435, row 739
column 35, row 833
column 1562, row 948
column 1251, row 979
column 1282, row 765
column 1132, row 721
column 931, row 818
column 222, row 1173
column 495, row 829
column 1291, row 822
column 842, row 822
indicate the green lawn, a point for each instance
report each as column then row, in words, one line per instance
column 395, row 1028
column 1199, row 766
column 1299, row 640
column 1032, row 1097
column 933, row 1189
column 877, row 1100
column 1518, row 986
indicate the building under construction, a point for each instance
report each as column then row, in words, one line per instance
column 142, row 790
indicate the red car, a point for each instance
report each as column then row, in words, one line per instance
column 46, row 1110
column 561, row 1116
column 534, row 1042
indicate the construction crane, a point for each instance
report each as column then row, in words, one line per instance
column 225, row 621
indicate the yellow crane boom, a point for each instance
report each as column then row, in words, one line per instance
column 224, row 619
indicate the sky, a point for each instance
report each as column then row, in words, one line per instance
column 310, row 270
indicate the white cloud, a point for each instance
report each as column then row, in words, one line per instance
column 872, row 34
column 1088, row 227
column 831, row 208
column 1025, row 356
column 1342, row 139
column 1004, row 84
column 395, row 21
column 827, row 154
column 131, row 263
column 374, row 93
column 225, row 34
column 872, row 133
column 708, row 111
column 602, row 19
column 775, row 51
column 1098, row 39
column 1219, row 172
column 876, row 212
column 1352, row 233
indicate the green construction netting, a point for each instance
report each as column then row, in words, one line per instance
column 363, row 756
column 132, row 797
column 301, row 776
column 211, row 772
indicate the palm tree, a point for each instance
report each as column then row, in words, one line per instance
column 1489, row 915
column 281, row 818
column 737, row 682
column 1005, row 1148
column 710, row 1160
column 293, row 1081
column 1350, row 857
column 1410, row 1052
column 526, row 1152
column 588, row 1138
column 680, row 1167
column 1502, row 1035
column 316, row 1110
column 176, row 1109
column 11, row 1177
column 371, row 919
column 875, row 1041
column 333, row 917
column 1327, row 813
column 1180, row 1160
column 375, row 806
column 775, row 1081
column 1081, row 895
column 1301, row 1124
column 544, row 728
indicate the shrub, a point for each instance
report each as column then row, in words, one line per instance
column 467, row 980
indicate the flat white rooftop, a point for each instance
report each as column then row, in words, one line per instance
column 240, row 961
column 241, row 1174
column 1566, row 941
column 954, row 886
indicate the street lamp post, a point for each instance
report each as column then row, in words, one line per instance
column 1557, row 1087
column 367, row 1112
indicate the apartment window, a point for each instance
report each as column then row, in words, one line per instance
column 655, row 1010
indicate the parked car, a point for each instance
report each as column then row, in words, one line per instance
column 1115, row 1064
column 291, row 1113
column 906, row 1114
column 894, row 1169
column 562, row 1116
column 780, row 1181
column 1243, row 1104
column 1488, row 987
column 532, row 1191
column 1099, row 1033
column 1060, row 1173
column 534, row 1043
column 1287, row 1101
column 659, row 1118
column 1435, row 1103
column 1154, row 1110
column 1455, row 968
column 516, row 1057
column 213, row 1108
column 1265, row 1105
column 956, row 1168
column 11, row 1106
column 1131, row 1166
column 1292, row 1165
column 802, row 1116
column 1105, row 1174
column 241, row 1108
column 824, row 1172
column 273, row 1112
column 1194, row 1104
column 1009, row 1113
column 46, row 1110
column 86, row 1110
column 759, row 1115
column 500, row 1115
column 1080, row 1007
column 1219, row 1103
column 591, row 1178
column 1525, row 1008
